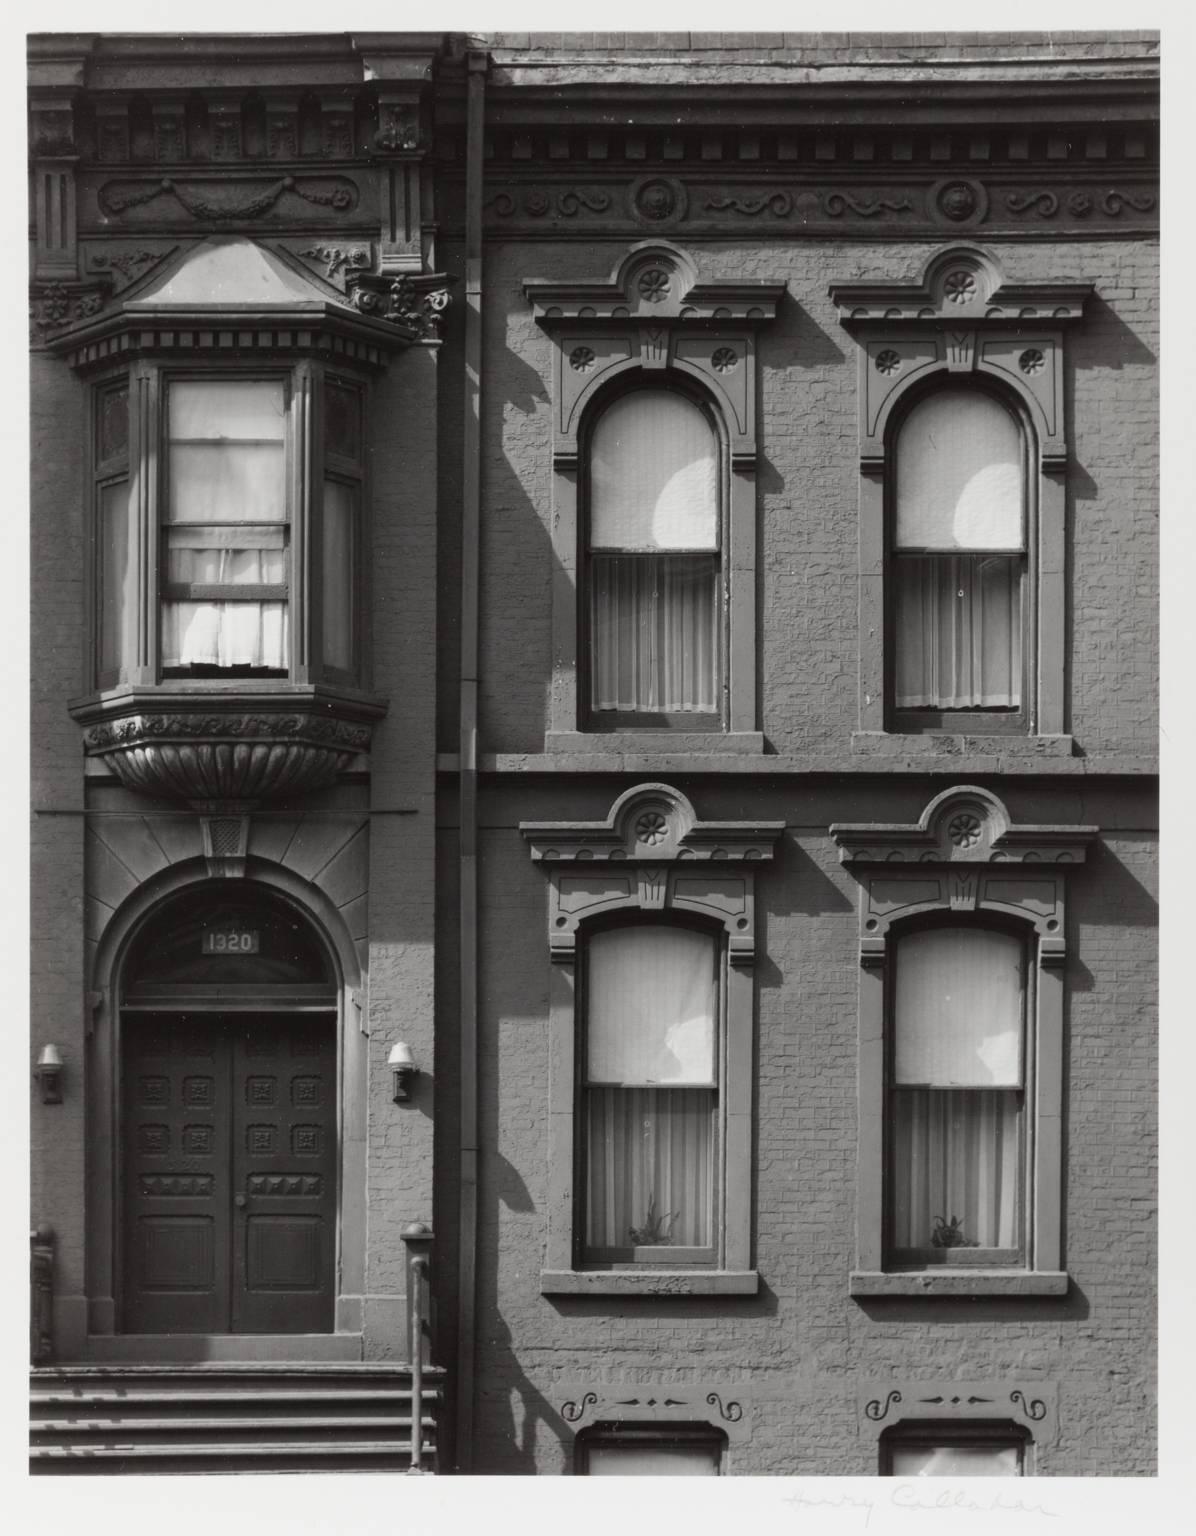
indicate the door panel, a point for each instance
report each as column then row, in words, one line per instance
column 177, row 1227
column 230, row 1173
column 284, row 1176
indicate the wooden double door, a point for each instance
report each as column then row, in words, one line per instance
column 229, row 1171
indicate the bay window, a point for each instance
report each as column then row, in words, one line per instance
column 959, row 563
column 650, row 1090
column 655, row 578
column 956, row 1097
column 228, row 530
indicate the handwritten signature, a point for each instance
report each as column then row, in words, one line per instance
column 914, row 1496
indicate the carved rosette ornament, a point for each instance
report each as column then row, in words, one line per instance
column 246, row 757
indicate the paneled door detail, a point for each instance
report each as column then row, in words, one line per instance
column 230, row 1173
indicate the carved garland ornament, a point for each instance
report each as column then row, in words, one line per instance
column 338, row 193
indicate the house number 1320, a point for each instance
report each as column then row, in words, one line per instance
column 226, row 942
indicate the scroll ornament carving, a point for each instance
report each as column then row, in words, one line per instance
column 127, row 266
column 337, row 259
column 55, row 305
column 836, row 204
column 538, row 203
column 418, row 303
column 1079, row 204
column 245, row 758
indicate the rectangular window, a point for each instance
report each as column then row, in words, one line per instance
column 959, row 560
column 953, row 1450
column 956, row 1098
column 661, row 1451
column 226, row 529
column 650, row 1096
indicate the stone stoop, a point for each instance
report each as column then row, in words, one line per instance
column 229, row 1418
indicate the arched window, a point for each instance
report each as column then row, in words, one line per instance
column 957, row 1088
column 654, row 563
column 650, row 1084
column 959, row 555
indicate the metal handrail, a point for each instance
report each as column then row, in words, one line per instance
column 418, row 1238
column 41, row 1295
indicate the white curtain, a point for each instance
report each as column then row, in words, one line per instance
column 956, row 1168
column 655, row 632
column 959, row 632
column 651, row 1461
column 226, row 523
column 650, row 1155
column 654, row 566
column 650, row 1021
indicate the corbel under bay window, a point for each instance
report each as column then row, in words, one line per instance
column 230, row 442
column 654, row 519
column 959, row 1172
column 651, row 938
column 962, row 501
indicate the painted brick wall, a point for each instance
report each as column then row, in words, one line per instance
column 808, row 483
column 797, row 1352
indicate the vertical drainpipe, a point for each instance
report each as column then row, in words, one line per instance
column 476, row 65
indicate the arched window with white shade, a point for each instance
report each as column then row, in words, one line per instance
column 654, row 563
column 959, row 547
column 957, row 1097
column 650, row 1085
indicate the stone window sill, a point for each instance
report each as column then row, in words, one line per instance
column 649, row 1282
column 957, row 744
column 959, row 1282
column 637, row 743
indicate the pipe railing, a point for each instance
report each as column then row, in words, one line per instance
column 418, row 1240
column 41, row 1295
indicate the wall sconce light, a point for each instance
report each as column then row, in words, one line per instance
column 403, row 1069
column 49, row 1074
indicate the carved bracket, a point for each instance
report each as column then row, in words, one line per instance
column 587, row 1403
column 648, row 847
column 417, row 302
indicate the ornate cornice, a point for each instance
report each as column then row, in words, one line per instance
column 962, row 287
column 245, row 749
column 962, row 825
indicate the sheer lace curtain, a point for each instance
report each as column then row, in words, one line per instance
column 956, row 1096
column 654, row 565
column 960, row 558
column 226, row 524
column 650, row 1088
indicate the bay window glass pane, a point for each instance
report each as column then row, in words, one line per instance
column 956, row 1168
column 650, row 1162
column 653, row 475
column 227, row 460
column 919, row 1460
column 225, row 635
column 654, row 632
column 342, row 420
column 118, row 586
column 958, row 1008
column 113, row 423
column 959, row 475
column 958, row 631
column 340, row 507
column 651, row 1006
column 651, row 1461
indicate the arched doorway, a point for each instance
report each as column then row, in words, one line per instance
column 229, row 1127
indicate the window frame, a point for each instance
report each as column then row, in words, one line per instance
column 916, row 1261
column 612, row 721
column 963, row 861
column 650, row 860
column 147, row 470
column 963, row 320
column 645, row 1256
column 618, row 1435
column 979, row 721
column 993, row 1434
column 654, row 322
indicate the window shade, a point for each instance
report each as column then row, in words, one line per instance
column 651, row 1006
column 653, row 475
column 651, row 1461
column 959, row 475
column 227, row 459
column 958, row 1009
column 955, row 1461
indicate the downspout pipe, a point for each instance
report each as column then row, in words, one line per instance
column 477, row 63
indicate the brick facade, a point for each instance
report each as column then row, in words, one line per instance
column 763, row 173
